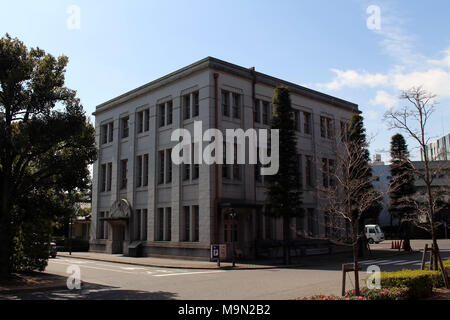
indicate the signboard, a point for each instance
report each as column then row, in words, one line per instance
column 218, row 251
column 215, row 251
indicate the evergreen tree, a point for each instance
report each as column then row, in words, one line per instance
column 284, row 194
column 402, row 185
column 356, row 134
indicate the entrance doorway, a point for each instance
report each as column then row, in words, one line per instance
column 118, row 237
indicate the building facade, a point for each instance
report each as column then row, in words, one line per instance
column 438, row 150
column 142, row 201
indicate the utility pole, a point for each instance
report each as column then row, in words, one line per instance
column 233, row 215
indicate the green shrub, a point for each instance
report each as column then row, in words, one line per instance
column 420, row 283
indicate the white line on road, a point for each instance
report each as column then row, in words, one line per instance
column 409, row 262
column 374, row 261
column 392, row 262
column 68, row 264
column 185, row 273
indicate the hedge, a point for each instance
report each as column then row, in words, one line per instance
column 420, row 283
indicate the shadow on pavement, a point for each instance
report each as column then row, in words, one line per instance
column 93, row 292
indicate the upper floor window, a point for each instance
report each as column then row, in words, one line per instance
column 143, row 121
column 307, row 123
column 257, row 111
column 226, row 103
column 106, row 177
column 196, row 107
column 107, row 132
column 186, row 106
column 123, row 174
column 326, row 127
column 236, row 106
column 165, row 114
column 296, row 120
column 142, row 170
column 265, row 113
column 124, row 127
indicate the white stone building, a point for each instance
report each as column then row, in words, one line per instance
column 143, row 201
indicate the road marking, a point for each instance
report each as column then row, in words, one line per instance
column 185, row 273
column 121, row 271
column 409, row 262
column 374, row 261
column 131, row 268
column 392, row 262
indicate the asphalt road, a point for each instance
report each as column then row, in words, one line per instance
column 106, row 280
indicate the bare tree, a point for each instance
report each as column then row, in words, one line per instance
column 348, row 195
column 413, row 119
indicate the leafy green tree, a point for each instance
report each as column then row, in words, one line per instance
column 402, row 186
column 46, row 145
column 284, row 193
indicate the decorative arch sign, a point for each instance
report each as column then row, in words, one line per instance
column 120, row 209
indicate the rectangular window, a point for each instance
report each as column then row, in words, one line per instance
column 139, row 171
column 300, row 170
column 186, row 171
column 160, row 224
column 330, row 128
column 256, row 112
column 144, row 216
column 265, row 113
column 123, row 174
column 103, row 178
column 196, row 110
column 169, row 112
column 225, row 167
column 312, row 227
column 344, row 129
column 300, row 223
column 226, row 103
column 140, row 122
column 186, row 224
column 169, row 166
column 236, row 106
column 162, row 115
column 111, row 132
column 104, row 133
column 168, row 236
column 323, row 128
column 161, row 167
column 306, row 123
column 187, row 106
column 309, row 171
column 146, row 120
column 145, row 178
column 331, row 168
column 125, row 128
column 196, row 223
column 101, row 225
column 109, row 180
column 297, row 120
column 325, row 172
column 236, row 166
column 137, row 224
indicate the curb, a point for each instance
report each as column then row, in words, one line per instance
column 181, row 267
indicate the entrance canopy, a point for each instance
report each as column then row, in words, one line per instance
column 120, row 211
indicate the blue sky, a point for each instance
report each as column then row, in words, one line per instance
column 324, row 45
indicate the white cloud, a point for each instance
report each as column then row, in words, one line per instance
column 370, row 114
column 444, row 62
column 353, row 78
column 384, row 99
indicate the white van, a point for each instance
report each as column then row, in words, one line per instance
column 374, row 233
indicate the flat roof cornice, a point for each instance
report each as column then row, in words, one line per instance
column 220, row 65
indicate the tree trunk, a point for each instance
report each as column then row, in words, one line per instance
column 5, row 238
column 355, row 265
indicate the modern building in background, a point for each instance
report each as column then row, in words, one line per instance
column 438, row 150
column 144, row 203
column 440, row 174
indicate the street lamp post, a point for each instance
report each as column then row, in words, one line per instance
column 70, row 236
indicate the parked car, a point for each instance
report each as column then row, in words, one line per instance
column 373, row 233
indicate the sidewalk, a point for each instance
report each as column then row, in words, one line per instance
column 32, row 282
column 307, row 261
column 164, row 262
